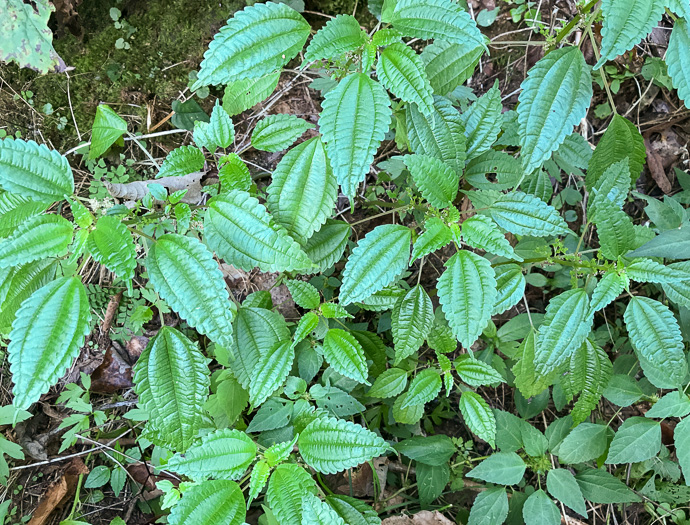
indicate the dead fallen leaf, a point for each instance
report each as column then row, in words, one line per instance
column 656, row 168
column 135, row 346
column 112, row 374
column 134, row 191
column 59, row 492
column 424, row 517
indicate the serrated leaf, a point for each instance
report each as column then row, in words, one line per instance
column 219, row 132
column 615, row 230
column 436, row 235
column 539, row 509
column 502, row 468
column 527, row 381
column 681, row 437
column 304, row 294
column 409, row 415
column 256, row 41
column 585, row 442
column 441, row 19
column 589, row 373
column 440, row 134
column 345, row 355
column 598, row 486
column 679, row 292
column 286, row 487
column 555, row 97
column 222, row 454
column 424, row 388
column 182, row 161
column 34, row 171
column 39, row 237
column 389, row 384
column 678, row 58
column 637, row 439
column 334, row 311
column 609, row 287
column 449, row 65
column 626, row 24
column 437, row 182
column 183, row 272
column 240, row 230
column 482, row 122
column 279, row 452
column 172, row 381
column 506, row 170
column 257, row 480
column 411, row 322
column 566, row 325
column 480, row 232
column 350, row 144
column 673, row 404
column 111, row 244
column 650, row 271
column 402, row 72
column 331, row 445
column 524, row 214
column 612, row 186
column 375, row 262
column 467, row 292
column 107, row 129
column 478, row 416
column 656, row 338
column 277, row 132
column 620, row 141
column 382, row 300
column 340, row 35
column 353, row 511
column 303, row 190
column 475, row 372
column 271, row 371
column 562, row 485
column 15, row 210
column 510, row 287
column 316, row 512
column 233, row 174
column 490, row 507
column 240, row 95
column 47, row 333
column 17, row 284
column 216, row 502
column 326, row 247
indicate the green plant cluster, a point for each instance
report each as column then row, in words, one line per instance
column 250, row 409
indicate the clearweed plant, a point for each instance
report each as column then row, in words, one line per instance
column 252, row 410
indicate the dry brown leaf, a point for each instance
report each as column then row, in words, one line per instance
column 134, row 191
column 424, row 517
column 59, row 492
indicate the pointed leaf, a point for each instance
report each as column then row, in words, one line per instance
column 15, row 210
column 585, row 443
column 326, row 247
column 344, row 353
column 524, row 214
column 637, row 439
column 304, row 294
column 478, row 416
column 510, row 287
column 481, row 232
column 389, row 384
column 449, row 65
column 240, row 95
column 217, row 502
column 436, row 235
column 563, row 486
column 271, row 371
column 598, row 486
column 620, row 141
column 437, row 183
column 340, row 35
column 482, row 122
column 539, row 509
column 18, row 283
column 257, row 480
column 182, row 161
column 316, row 512
column 502, row 468
column 411, row 322
column 649, row 271
column 475, row 372
column 424, row 388
column 286, row 488
column 353, row 511
column 402, row 72
column 219, row 132
column 277, row 132
column 608, row 289
column 678, row 58
column 39, row 237
column 107, row 129
column 490, row 507
column 615, row 230
column 111, row 244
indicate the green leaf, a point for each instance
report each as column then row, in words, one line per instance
column 437, row 183
column 679, row 292
column 431, row 481
column 271, row 371
column 424, row 387
column 411, row 321
column 510, row 287
column 620, row 141
column 402, row 72
column 598, row 486
column 585, row 443
column 182, row 161
column 286, row 488
column 524, row 214
column 217, row 502
column 183, row 272
column 219, row 132
column 502, row 468
column 409, row 415
column 277, row 132
column 15, row 210
column 375, row 262
column 304, row 294
column 506, row 170
column 623, row 390
column 326, row 247
column 440, row 134
column 17, row 284
column 527, row 381
column 340, row 35
column 172, row 380
column 222, row 454
column 257, row 480
column 432, row 450
column 39, row 237
column 107, row 129
column 678, row 57
column 316, row 512
column 334, row 311
column 475, row 372
column 441, row 19
column 279, row 452
column 562, row 485
column 478, row 416
column 615, row 229
column 480, row 232
column 98, row 477
column 626, row 24
column 436, row 235
column 680, row 8
column 330, row 445
column 382, row 300
column 656, row 338
column 673, row 404
column 449, row 65
column 46, row 336
column 609, row 287
column 240, row 230
column 345, row 355
column 111, row 244
column 590, row 372
column 681, row 439
column 467, row 292
column 185, row 114
column 34, row 171
column 539, row 509
column 612, row 186
column 303, row 190
column 234, row 174
column 482, row 122
column 350, row 144
column 389, row 384
column 650, row 271
column 566, row 325
column 490, row 507
column 555, row 97
column 256, row 41
column 240, row 95
column 637, row 439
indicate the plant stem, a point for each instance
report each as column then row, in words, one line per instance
column 401, row 208
column 571, row 25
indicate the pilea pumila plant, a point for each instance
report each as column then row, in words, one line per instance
column 250, row 409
